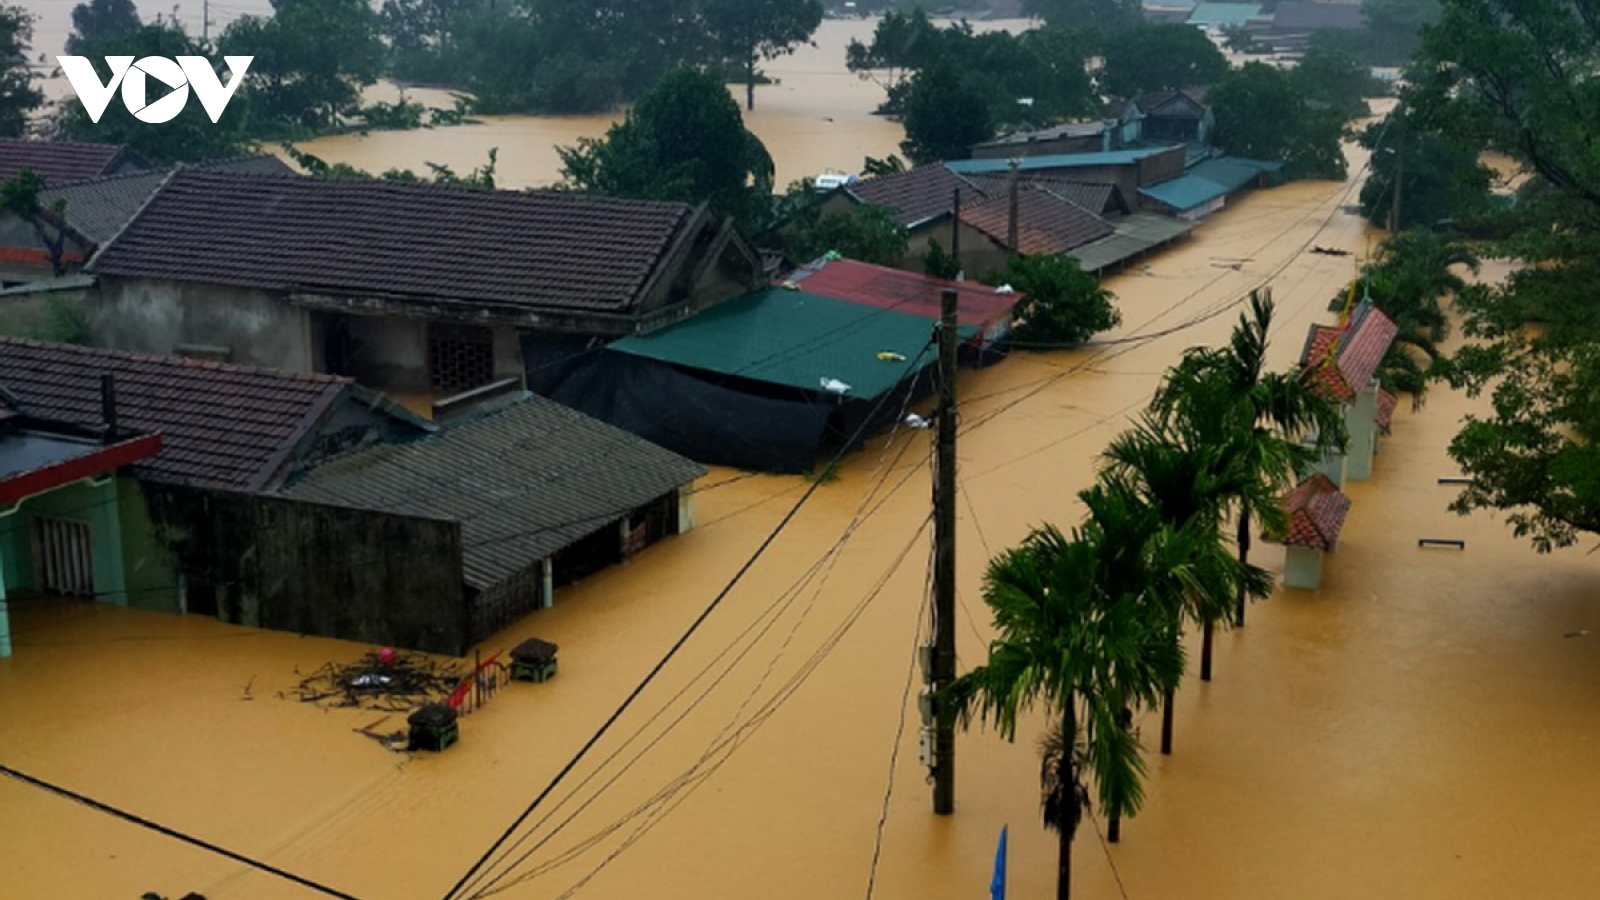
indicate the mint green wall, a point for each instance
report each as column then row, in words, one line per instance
column 95, row 505
column 151, row 581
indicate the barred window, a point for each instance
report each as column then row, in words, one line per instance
column 460, row 357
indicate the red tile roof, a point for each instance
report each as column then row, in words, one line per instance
column 1386, row 405
column 886, row 288
column 526, row 251
column 60, row 161
column 222, row 426
column 1359, row 351
column 1316, row 510
column 1046, row 223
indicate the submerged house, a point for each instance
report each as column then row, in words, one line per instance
column 60, row 513
column 987, row 310
column 419, row 290
column 1316, row 511
column 766, row 381
column 1340, row 363
column 516, row 502
column 1181, row 117
column 1207, row 186
column 306, row 503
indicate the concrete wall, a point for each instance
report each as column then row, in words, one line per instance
column 979, row 254
column 324, row 570
column 152, row 316
column 1302, row 568
column 151, row 571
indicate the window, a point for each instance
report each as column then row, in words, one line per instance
column 460, row 357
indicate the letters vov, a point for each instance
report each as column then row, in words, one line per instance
column 181, row 74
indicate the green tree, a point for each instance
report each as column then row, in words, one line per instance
column 1269, row 426
column 19, row 96
column 1515, row 78
column 191, row 137
column 1062, row 304
column 96, row 20
column 1442, row 181
column 1079, row 639
column 1412, row 276
column 945, row 115
column 685, row 140
column 1394, row 28
column 1262, row 113
column 311, row 60
column 868, row 233
column 1332, row 79
column 19, row 197
column 1159, row 58
column 1105, row 16
column 748, row 31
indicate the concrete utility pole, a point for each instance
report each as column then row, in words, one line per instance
column 943, row 665
column 205, row 20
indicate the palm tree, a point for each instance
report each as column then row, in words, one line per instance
column 1078, row 635
column 1188, row 482
column 1413, row 273
column 1226, row 398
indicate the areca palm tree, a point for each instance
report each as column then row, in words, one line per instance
column 1082, row 636
column 1188, row 482
column 1226, row 398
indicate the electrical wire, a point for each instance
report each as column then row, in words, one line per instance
column 173, row 833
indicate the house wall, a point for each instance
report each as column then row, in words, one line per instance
column 151, row 572
column 979, row 254
column 94, row 504
column 156, row 316
column 1302, row 568
column 1161, row 167
column 286, row 565
column 45, row 315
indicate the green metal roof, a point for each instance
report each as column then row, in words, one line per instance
column 1220, row 14
column 1209, row 180
column 796, row 339
column 1058, row 161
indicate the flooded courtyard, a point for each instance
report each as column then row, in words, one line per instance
column 1423, row 726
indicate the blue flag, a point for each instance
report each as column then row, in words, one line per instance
column 997, row 887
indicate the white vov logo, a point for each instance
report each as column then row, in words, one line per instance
column 180, row 75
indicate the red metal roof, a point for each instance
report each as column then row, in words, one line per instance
column 94, row 460
column 907, row 292
column 1316, row 509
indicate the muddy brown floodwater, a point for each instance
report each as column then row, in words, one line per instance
column 1422, row 727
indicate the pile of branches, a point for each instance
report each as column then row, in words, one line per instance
column 401, row 685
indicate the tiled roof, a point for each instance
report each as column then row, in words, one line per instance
column 920, row 295
column 97, row 209
column 1100, row 199
column 1188, row 103
column 1386, row 404
column 222, row 426
column 916, row 195
column 1056, row 132
column 1316, row 509
column 523, row 251
column 59, row 161
column 1360, row 349
column 524, row 482
column 1047, row 224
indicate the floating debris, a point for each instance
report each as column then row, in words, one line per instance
column 386, row 682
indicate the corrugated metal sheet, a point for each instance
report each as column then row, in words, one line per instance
column 795, row 339
column 1208, row 181
column 524, row 482
column 1217, row 15
column 1060, row 161
column 1136, row 234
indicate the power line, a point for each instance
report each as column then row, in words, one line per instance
column 172, row 833
column 674, row 649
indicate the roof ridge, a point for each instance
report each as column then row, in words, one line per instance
column 151, row 198
column 182, row 362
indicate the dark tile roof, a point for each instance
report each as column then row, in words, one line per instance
column 1047, row 223
column 524, row 482
column 1316, row 509
column 1341, row 363
column 1101, row 199
column 1188, row 103
column 917, row 195
column 908, row 292
column 1054, row 132
column 222, row 426
column 60, row 161
column 514, row 250
column 98, row 208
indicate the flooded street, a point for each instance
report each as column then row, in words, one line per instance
column 1419, row 728
column 1422, row 727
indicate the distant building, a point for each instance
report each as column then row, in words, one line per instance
column 1181, row 117
column 1072, row 137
